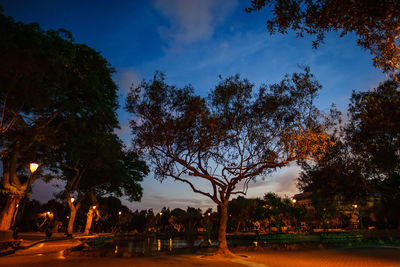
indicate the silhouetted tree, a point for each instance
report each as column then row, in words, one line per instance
column 232, row 136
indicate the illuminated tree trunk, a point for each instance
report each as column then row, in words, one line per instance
column 223, row 246
column 8, row 213
column 89, row 220
column 14, row 189
column 73, row 210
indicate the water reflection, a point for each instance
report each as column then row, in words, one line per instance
column 148, row 245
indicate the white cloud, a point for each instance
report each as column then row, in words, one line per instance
column 126, row 78
column 283, row 182
column 123, row 130
column 192, row 20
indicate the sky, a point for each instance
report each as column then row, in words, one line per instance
column 193, row 42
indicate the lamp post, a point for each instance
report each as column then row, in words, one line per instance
column 357, row 212
column 119, row 220
column 161, row 225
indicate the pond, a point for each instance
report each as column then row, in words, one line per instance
column 149, row 246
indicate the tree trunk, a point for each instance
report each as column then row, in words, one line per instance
column 89, row 220
column 237, row 227
column 72, row 215
column 222, row 246
column 9, row 211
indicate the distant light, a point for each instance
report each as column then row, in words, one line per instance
column 294, row 200
column 120, row 212
column 48, row 213
column 94, row 207
column 72, row 200
column 17, row 206
column 160, row 213
column 355, row 206
column 208, row 214
column 33, row 167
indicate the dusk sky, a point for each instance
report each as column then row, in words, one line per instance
column 193, row 42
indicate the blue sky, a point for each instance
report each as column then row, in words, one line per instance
column 194, row 42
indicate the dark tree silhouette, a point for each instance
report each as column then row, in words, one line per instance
column 375, row 22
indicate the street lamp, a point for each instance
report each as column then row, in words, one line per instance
column 33, row 167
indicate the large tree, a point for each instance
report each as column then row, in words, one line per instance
column 229, row 138
column 47, row 81
column 116, row 171
column 375, row 22
column 364, row 163
column 374, row 137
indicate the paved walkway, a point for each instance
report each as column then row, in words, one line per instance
column 351, row 257
column 51, row 254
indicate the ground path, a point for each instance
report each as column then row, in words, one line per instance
column 51, row 254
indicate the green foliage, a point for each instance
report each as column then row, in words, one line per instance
column 241, row 210
column 51, row 88
column 59, row 107
column 375, row 23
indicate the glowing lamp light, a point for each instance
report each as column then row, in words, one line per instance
column 33, row 167
column 48, row 213
column 94, row 207
column 160, row 213
column 294, row 201
column 120, row 212
column 355, row 206
column 208, row 214
column 72, row 200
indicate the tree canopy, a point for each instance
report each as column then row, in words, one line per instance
column 375, row 22
column 364, row 162
column 229, row 138
column 58, row 104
